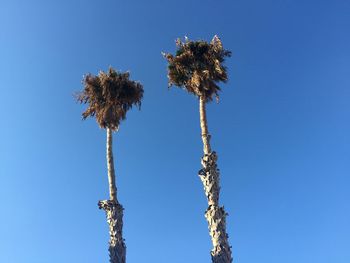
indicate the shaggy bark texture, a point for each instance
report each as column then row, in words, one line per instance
column 114, row 213
column 210, row 177
column 114, row 210
column 215, row 215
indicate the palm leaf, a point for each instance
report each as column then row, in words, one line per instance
column 109, row 96
column 198, row 66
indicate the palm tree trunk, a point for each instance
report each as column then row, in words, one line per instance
column 110, row 166
column 210, row 177
column 204, row 126
column 114, row 211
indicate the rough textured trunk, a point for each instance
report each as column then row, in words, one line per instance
column 210, row 177
column 114, row 211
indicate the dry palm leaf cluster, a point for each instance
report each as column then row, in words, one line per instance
column 198, row 66
column 109, row 96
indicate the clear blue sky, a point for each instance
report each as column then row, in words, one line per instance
column 281, row 129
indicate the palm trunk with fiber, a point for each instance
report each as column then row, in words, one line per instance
column 114, row 211
column 210, row 177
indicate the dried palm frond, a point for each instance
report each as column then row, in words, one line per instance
column 109, row 96
column 198, row 66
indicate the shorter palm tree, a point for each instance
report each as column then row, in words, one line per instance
column 109, row 96
column 197, row 67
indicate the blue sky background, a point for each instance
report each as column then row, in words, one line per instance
column 281, row 129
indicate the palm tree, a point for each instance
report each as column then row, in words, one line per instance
column 109, row 96
column 197, row 67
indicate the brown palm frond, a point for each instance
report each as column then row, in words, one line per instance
column 198, row 66
column 109, row 96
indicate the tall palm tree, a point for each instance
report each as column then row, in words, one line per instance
column 109, row 96
column 197, row 67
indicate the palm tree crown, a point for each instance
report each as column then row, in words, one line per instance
column 110, row 95
column 198, row 66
